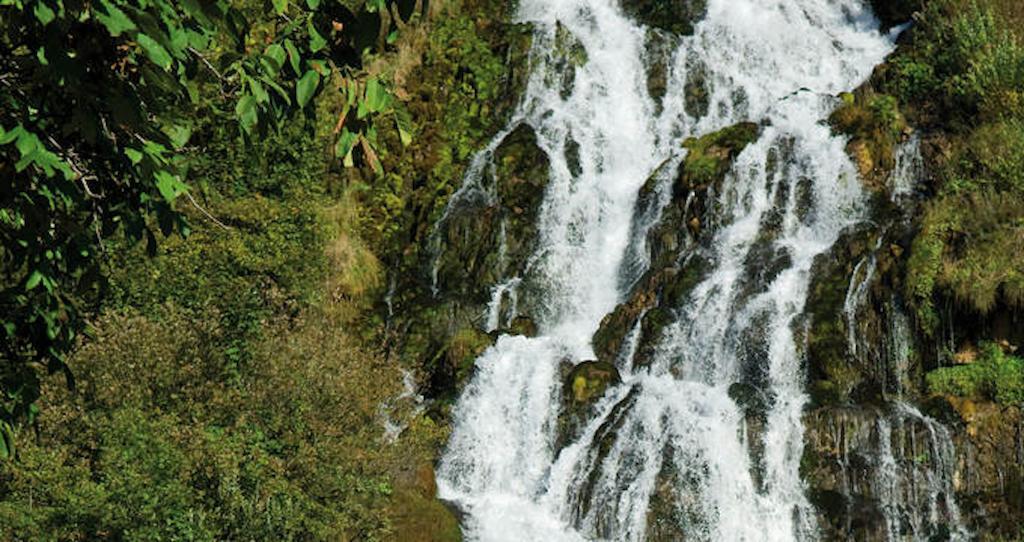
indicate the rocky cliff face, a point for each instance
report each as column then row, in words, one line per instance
column 885, row 458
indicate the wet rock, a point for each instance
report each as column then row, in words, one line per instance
column 659, row 52
column 415, row 512
column 844, row 373
column 582, row 386
column 675, row 16
column 989, row 440
column 485, row 237
column 711, row 156
column 523, row 325
column 696, row 94
column 875, row 125
column 464, row 347
column 676, row 264
column 895, row 12
column 588, row 381
column 874, row 471
column 568, row 55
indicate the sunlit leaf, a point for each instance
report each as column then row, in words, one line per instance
column 246, row 112
column 293, row 56
column 155, row 51
column 113, row 19
column 306, row 86
column 43, row 12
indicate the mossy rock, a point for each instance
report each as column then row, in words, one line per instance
column 876, row 126
column 523, row 325
column 417, row 515
column 588, row 381
column 710, row 156
column 465, row 346
column 674, row 16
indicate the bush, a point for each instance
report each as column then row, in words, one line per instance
column 156, row 445
column 967, row 58
column 994, row 376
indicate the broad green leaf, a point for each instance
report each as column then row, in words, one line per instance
column 155, row 51
column 257, row 90
column 169, row 186
column 313, row 4
column 404, row 124
column 376, row 98
column 278, row 89
column 293, row 56
column 43, row 12
column 114, row 19
column 277, row 56
column 375, row 5
column 280, row 6
column 33, row 280
column 316, row 41
column 11, row 135
column 343, row 148
column 246, row 112
column 179, row 133
column 306, row 86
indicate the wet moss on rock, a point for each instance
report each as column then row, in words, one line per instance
column 674, row 16
column 875, row 125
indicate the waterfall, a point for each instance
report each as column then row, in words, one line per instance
column 669, row 433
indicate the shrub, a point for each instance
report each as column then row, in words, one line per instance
column 994, row 376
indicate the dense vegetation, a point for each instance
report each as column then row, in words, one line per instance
column 205, row 203
column 961, row 79
column 222, row 332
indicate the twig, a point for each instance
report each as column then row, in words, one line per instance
column 205, row 212
column 207, row 62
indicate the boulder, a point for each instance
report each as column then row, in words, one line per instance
column 674, row 16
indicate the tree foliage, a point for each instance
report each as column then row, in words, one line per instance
column 98, row 101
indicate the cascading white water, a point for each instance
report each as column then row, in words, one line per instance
column 776, row 62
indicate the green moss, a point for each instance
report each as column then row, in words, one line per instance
column 676, row 16
column 588, row 381
column 875, row 125
column 710, row 156
column 464, row 347
column 968, row 249
column 966, row 60
column 995, row 376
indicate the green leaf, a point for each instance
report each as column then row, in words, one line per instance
column 404, row 124
column 293, row 56
column 114, row 19
column 179, row 134
column 375, row 5
column 169, row 186
column 11, row 135
column 343, row 148
column 277, row 55
column 280, row 6
column 33, row 280
column 376, row 98
column 246, row 112
column 43, row 13
column 316, row 41
column 313, row 4
column 306, row 86
column 155, row 51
